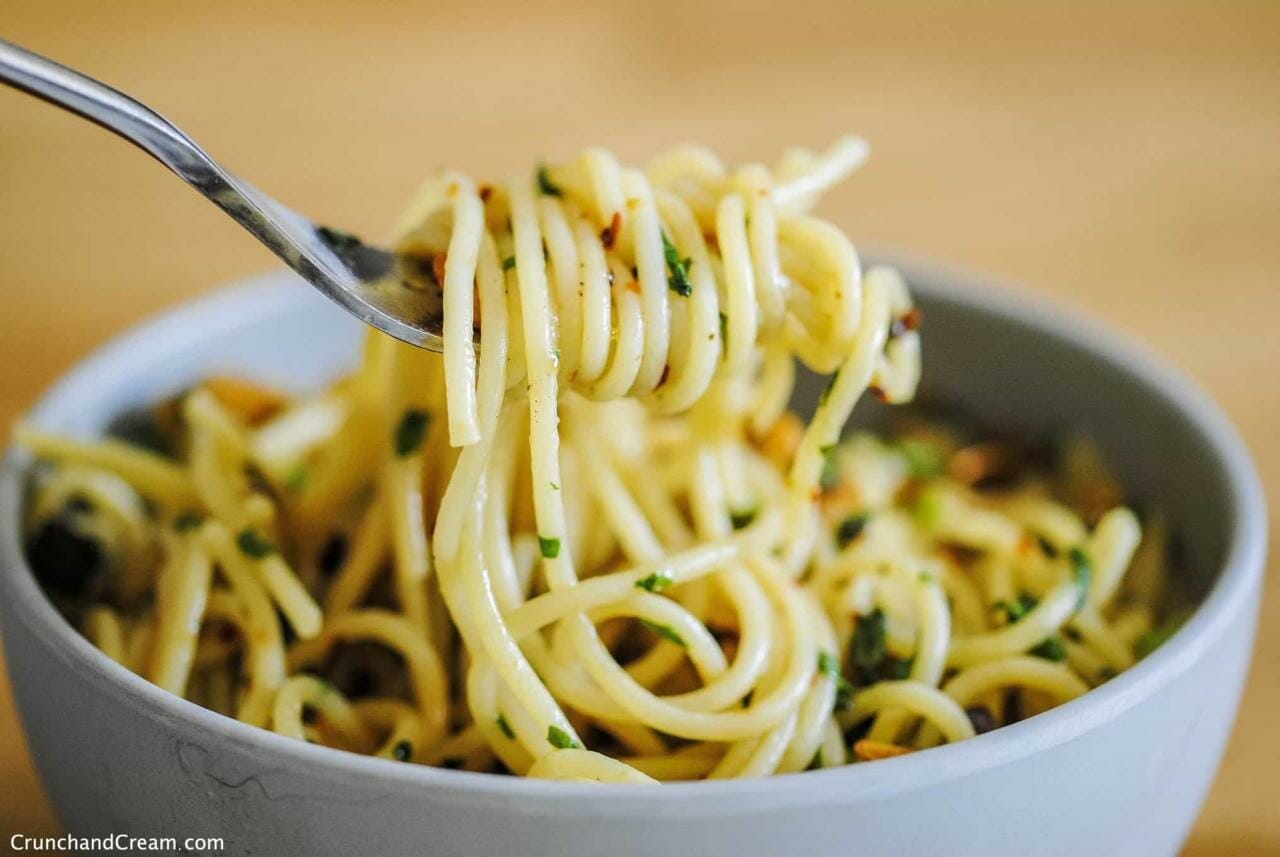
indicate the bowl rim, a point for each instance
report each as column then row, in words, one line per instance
column 208, row 317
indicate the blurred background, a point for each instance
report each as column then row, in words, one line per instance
column 1119, row 158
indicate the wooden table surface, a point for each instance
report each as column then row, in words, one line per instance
column 1118, row 158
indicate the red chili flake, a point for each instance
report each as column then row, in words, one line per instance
column 486, row 191
column 437, row 266
column 609, row 235
column 633, row 287
column 878, row 393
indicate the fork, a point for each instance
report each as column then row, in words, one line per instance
column 395, row 294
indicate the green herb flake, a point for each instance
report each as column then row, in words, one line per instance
column 1082, row 570
column 508, row 263
column 545, row 184
column 677, row 269
column 655, row 582
column 666, row 632
column 506, row 727
column 724, row 334
column 850, row 528
column 555, row 486
column 926, row 577
column 1015, row 610
column 187, row 521
column 897, row 669
column 1157, row 636
column 867, row 649
column 830, row 667
column 411, row 431
column 298, row 478
column 742, row 518
column 1052, row 649
column 830, row 467
column 550, row 547
column 254, row 544
column 402, row 751
column 923, row 459
column 561, row 739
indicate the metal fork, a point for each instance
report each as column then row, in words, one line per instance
column 397, row 295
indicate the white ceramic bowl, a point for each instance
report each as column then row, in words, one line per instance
column 1122, row 770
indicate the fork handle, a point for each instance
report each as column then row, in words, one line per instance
column 111, row 109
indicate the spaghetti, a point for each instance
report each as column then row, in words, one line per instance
column 589, row 541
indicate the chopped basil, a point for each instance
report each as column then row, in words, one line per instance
column 506, row 727
column 508, row 263
column 655, row 582
column 830, row 467
column 402, row 751
column 897, row 669
column 550, row 547
column 298, row 478
column 1015, row 610
column 545, row 184
column 677, row 269
column 561, row 739
column 555, row 486
column 1157, row 636
column 188, row 520
column 850, row 528
column 923, row 459
column 253, row 544
column 666, row 632
column 1051, row 649
column 411, row 431
column 1082, row 569
column 829, row 666
column 867, row 649
column 743, row 517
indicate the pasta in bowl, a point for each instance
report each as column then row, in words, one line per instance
column 590, row 542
